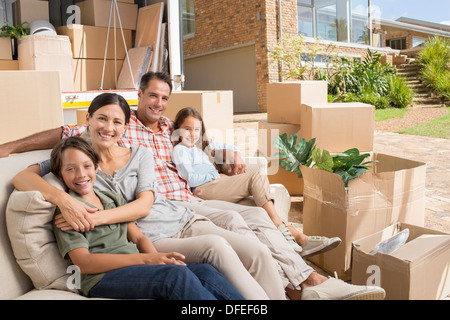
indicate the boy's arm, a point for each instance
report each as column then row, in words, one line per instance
column 144, row 245
column 41, row 140
column 135, row 235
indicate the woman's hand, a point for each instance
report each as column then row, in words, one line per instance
column 75, row 215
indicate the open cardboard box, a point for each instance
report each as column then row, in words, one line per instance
column 392, row 191
column 419, row 270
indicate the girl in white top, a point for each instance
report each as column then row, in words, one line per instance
column 194, row 157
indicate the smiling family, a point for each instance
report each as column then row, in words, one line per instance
column 185, row 211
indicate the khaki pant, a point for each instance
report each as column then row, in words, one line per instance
column 246, row 263
column 237, row 187
column 254, row 223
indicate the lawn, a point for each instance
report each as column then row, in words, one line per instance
column 438, row 128
column 388, row 113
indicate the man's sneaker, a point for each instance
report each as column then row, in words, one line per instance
column 317, row 245
column 290, row 238
column 335, row 289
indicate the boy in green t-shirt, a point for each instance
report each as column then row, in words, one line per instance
column 118, row 261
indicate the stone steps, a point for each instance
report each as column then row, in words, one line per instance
column 410, row 70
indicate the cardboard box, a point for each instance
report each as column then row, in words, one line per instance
column 5, row 48
column 393, row 191
column 47, row 52
column 216, row 108
column 31, row 102
column 285, row 98
column 9, row 65
column 29, row 11
column 267, row 133
column 419, row 270
column 96, row 13
column 338, row 127
column 88, row 74
column 89, row 42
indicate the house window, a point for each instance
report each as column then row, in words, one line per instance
column 359, row 31
column 397, row 44
column 188, row 17
column 418, row 41
column 305, row 17
column 336, row 20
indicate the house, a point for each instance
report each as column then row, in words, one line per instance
column 407, row 34
column 227, row 45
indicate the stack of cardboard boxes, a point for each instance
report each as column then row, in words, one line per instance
column 391, row 192
column 77, row 51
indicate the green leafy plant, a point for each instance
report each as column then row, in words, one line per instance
column 434, row 60
column 15, row 32
column 369, row 81
column 293, row 154
column 348, row 164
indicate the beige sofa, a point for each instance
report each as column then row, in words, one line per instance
column 31, row 267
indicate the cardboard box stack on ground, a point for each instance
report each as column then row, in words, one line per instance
column 336, row 127
column 31, row 102
column 393, row 191
column 215, row 107
column 284, row 101
column 418, row 270
column 47, row 52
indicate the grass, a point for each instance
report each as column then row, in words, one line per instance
column 438, row 128
column 388, row 113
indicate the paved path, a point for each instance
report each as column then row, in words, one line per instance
column 435, row 152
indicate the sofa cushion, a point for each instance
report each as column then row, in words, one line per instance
column 29, row 221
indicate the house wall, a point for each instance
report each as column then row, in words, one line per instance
column 238, row 23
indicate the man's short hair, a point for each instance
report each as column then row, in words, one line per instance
column 162, row 76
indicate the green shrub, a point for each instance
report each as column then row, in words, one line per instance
column 434, row 60
column 399, row 94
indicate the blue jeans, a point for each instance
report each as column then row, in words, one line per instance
column 197, row 281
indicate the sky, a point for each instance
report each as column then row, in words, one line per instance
column 428, row 10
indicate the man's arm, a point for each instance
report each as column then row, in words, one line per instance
column 41, row 140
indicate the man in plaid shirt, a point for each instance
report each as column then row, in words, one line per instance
column 150, row 128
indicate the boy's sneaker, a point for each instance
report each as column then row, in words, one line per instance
column 290, row 238
column 317, row 245
column 335, row 289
